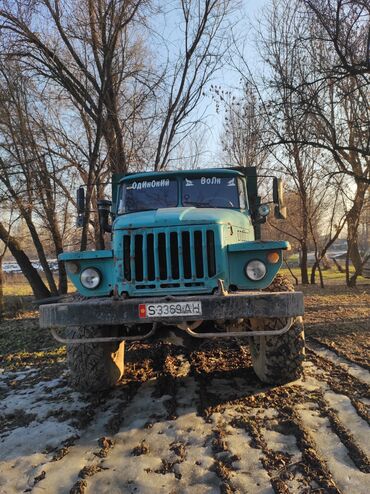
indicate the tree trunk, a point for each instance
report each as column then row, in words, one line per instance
column 313, row 272
column 39, row 288
column 86, row 216
column 58, row 242
column 1, row 290
column 62, row 278
column 291, row 272
column 52, row 218
column 339, row 267
column 26, row 213
column 321, row 276
column 316, row 266
column 353, row 221
column 41, row 255
column 304, row 264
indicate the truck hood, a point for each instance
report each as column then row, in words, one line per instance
column 178, row 217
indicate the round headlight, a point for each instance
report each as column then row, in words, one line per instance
column 255, row 270
column 90, row 278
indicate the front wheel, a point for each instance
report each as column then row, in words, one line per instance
column 94, row 366
column 279, row 359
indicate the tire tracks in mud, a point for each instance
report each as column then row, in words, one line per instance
column 272, row 414
column 337, row 377
column 94, row 451
column 313, row 466
column 344, row 386
column 202, row 422
column 70, row 467
column 338, row 351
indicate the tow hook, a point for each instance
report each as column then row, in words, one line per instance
column 221, row 288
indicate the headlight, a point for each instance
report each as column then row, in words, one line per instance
column 255, row 270
column 90, row 278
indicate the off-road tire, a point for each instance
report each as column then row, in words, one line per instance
column 94, row 366
column 279, row 359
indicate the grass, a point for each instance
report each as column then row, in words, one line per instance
column 18, row 295
column 24, row 343
column 17, row 286
column 329, row 275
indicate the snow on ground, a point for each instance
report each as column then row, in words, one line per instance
column 352, row 369
column 200, row 433
column 347, row 477
column 32, row 425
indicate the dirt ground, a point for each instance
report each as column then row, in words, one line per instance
column 192, row 420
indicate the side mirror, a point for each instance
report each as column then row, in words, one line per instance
column 80, row 200
column 280, row 211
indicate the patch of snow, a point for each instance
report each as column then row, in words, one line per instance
column 352, row 369
column 128, row 473
column 249, row 475
column 346, row 475
column 34, row 438
column 17, row 475
column 346, row 413
column 349, row 418
column 23, row 449
column 62, row 474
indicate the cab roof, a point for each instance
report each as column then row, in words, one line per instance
column 180, row 173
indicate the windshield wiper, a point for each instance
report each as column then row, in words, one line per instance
column 200, row 204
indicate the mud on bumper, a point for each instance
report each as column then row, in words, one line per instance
column 108, row 312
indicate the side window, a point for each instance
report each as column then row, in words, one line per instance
column 241, row 191
column 122, row 200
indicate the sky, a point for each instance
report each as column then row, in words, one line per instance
column 227, row 77
column 166, row 42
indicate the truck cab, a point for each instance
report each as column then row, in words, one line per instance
column 180, row 232
column 186, row 252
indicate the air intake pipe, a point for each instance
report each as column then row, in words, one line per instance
column 104, row 210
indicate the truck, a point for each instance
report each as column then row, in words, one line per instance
column 185, row 252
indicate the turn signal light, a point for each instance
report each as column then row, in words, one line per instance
column 273, row 257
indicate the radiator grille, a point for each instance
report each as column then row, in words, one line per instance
column 180, row 256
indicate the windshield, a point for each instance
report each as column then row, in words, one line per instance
column 144, row 195
column 211, row 192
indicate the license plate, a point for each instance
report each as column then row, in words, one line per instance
column 170, row 309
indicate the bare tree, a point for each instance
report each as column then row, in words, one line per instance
column 242, row 139
column 135, row 111
column 16, row 170
column 333, row 220
column 310, row 114
column 338, row 116
column 83, row 51
column 30, row 176
column 203, row 46
column 344, row 25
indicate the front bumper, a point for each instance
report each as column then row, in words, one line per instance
column 108, row 312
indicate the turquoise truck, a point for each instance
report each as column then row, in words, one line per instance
column 186, row 252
